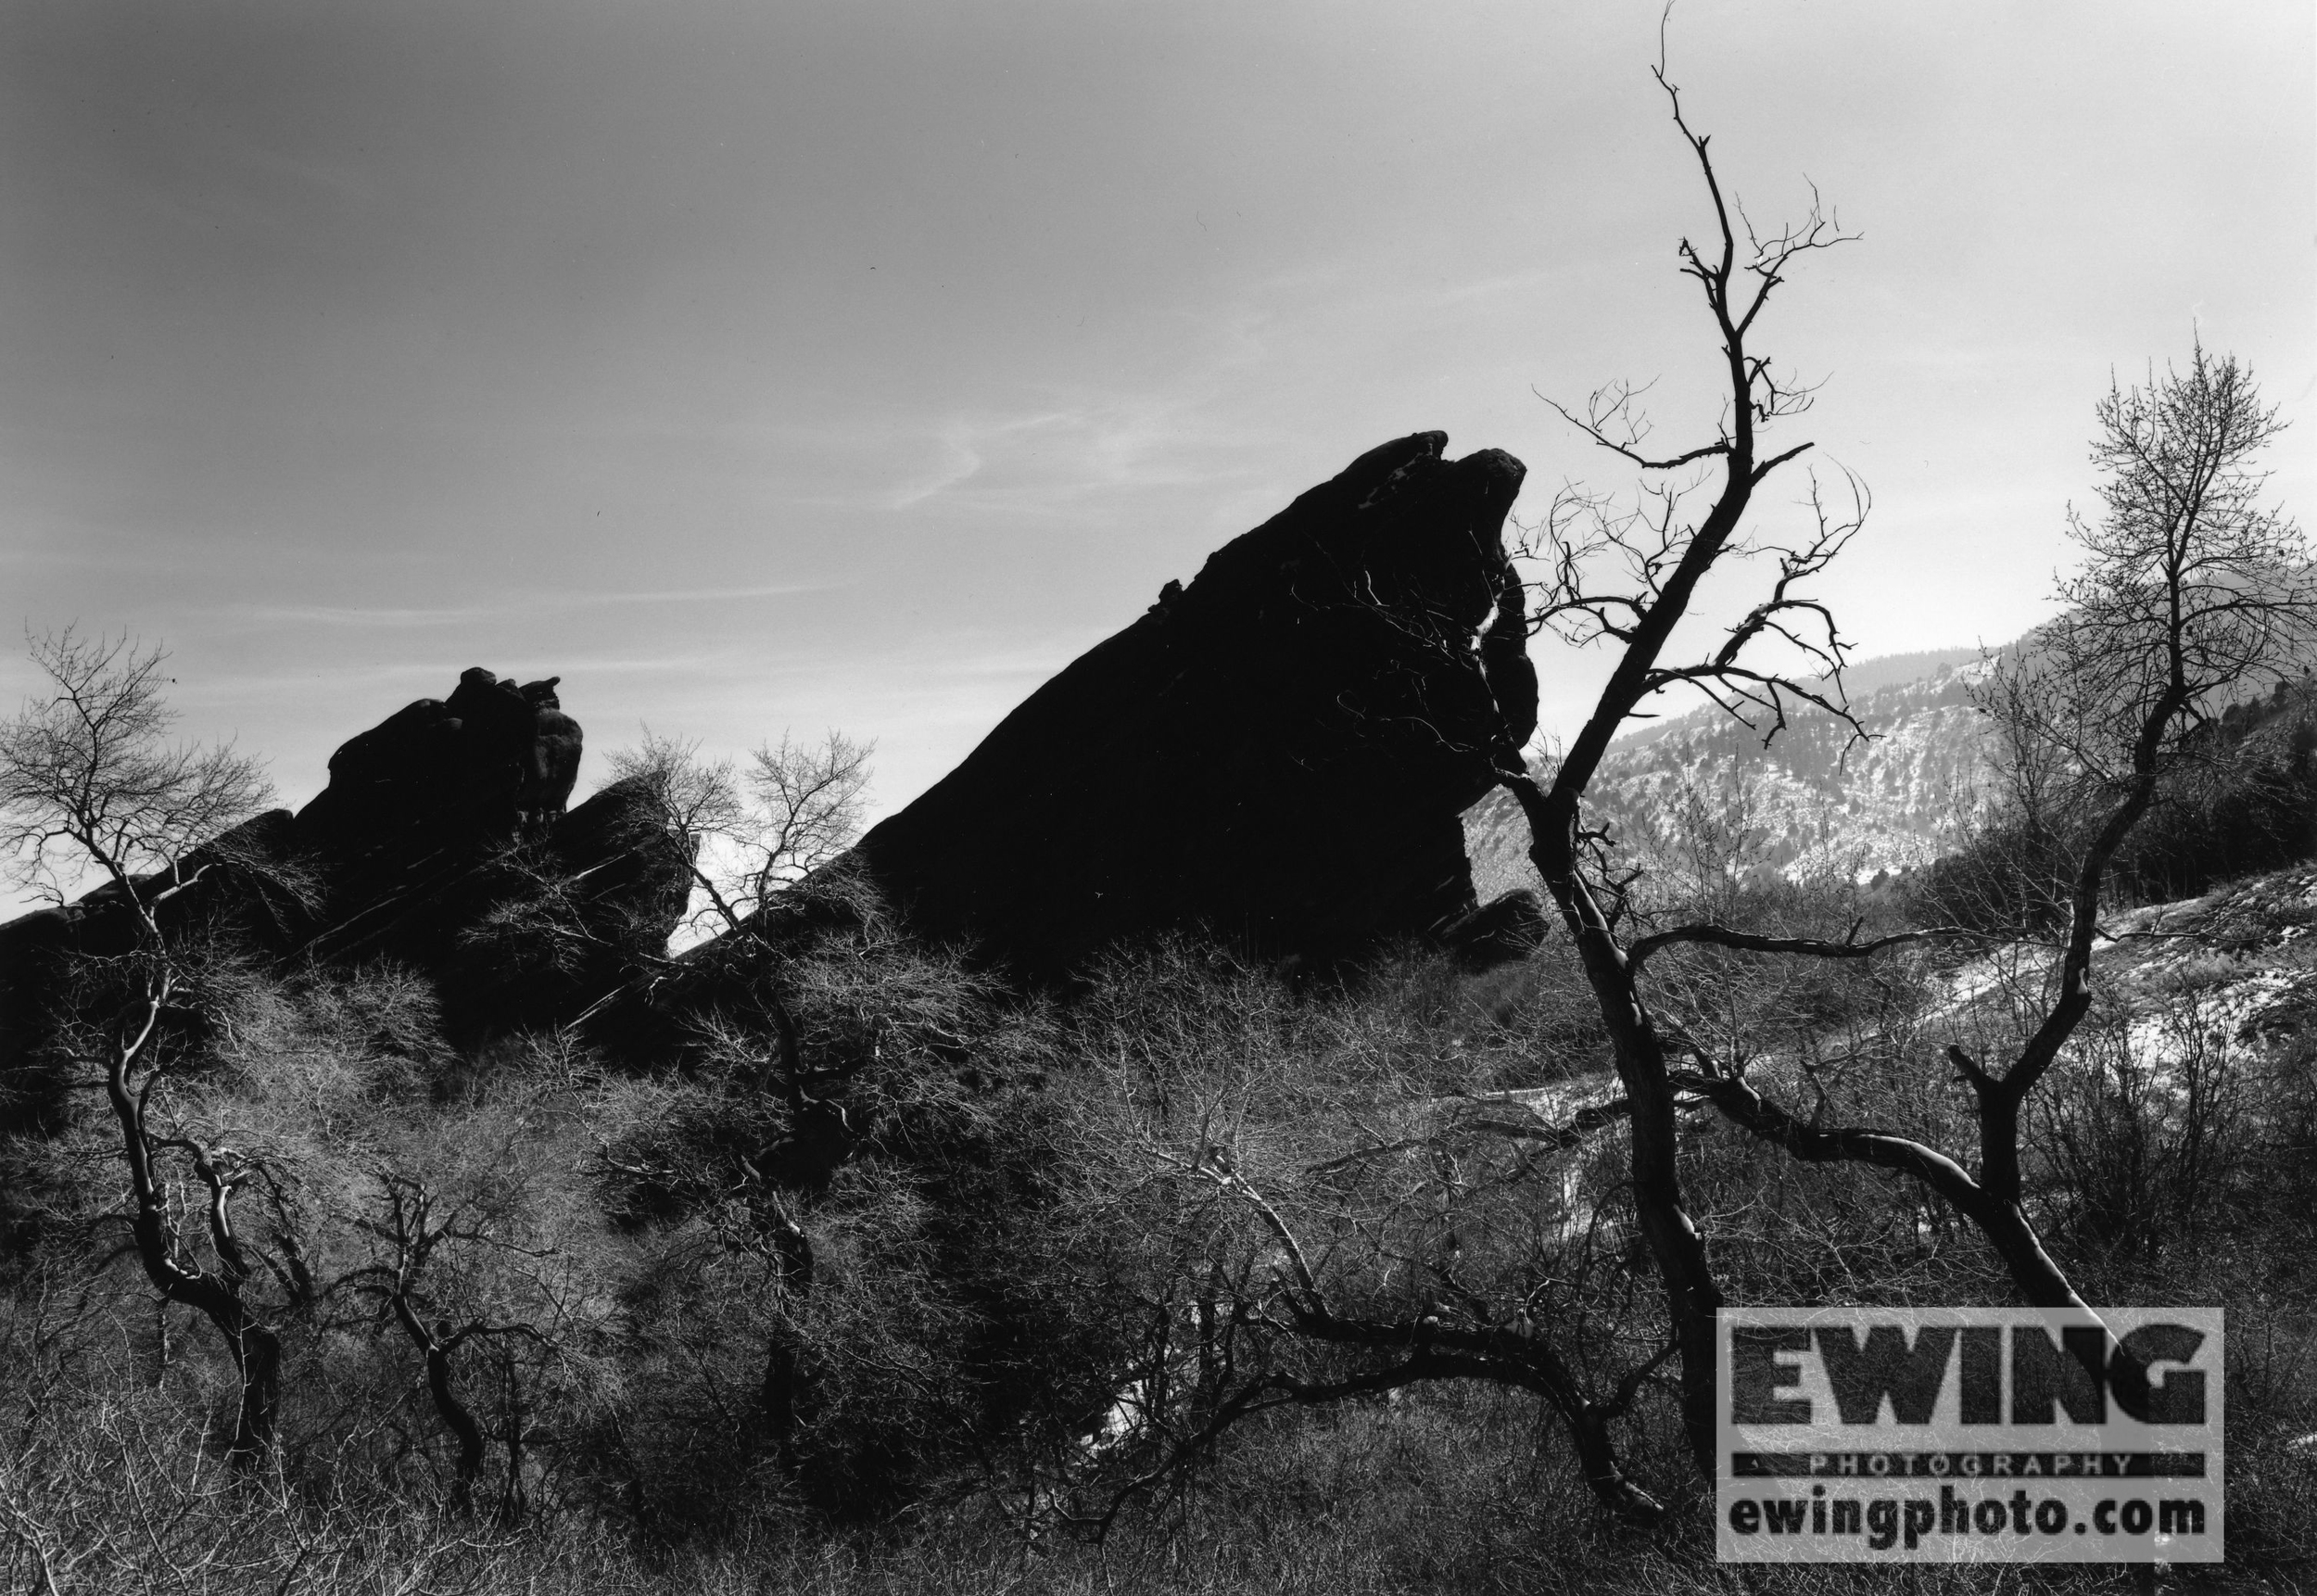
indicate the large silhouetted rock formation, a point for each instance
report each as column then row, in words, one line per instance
column 1278, row 753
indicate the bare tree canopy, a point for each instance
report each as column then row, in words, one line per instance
column 89, row 778
column 757, row 830
column 2191, row 587
column 1655, row 557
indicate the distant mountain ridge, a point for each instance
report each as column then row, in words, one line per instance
column 1814, row 801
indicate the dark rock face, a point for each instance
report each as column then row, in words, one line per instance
column 618, row 854
column 415, row 830
column 492, row 764
column 1278, row 753
column 444, row 838
column 541, row 930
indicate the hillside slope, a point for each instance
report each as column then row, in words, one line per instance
column 1812, row 802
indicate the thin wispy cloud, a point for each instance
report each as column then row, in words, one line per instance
column 544, row 604
column 1060, row 457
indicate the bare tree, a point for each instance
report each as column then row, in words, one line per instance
column 757, row 830
column 1298, row 1216
column 2190, row 590
column 89, row 781
column 1631, row 576
column 415, row 1229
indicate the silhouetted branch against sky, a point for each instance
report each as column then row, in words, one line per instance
column 92, row 786
column 857, row 366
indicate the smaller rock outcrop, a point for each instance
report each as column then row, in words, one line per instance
column 414, row 829
column 441, row 841
column 444, row 838
column 492, row 764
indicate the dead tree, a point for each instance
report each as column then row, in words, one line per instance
column 2190, row 588
column 1630, row 578
column 218, row 1291
column 1658, row 556
column 797, row 1162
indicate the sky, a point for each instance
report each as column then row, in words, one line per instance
column 793, row 365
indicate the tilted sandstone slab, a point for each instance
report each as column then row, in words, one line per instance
column 1277, row 754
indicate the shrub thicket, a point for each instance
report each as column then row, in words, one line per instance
column 903, row 1281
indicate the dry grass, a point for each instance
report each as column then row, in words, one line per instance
column 1453, row 1490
